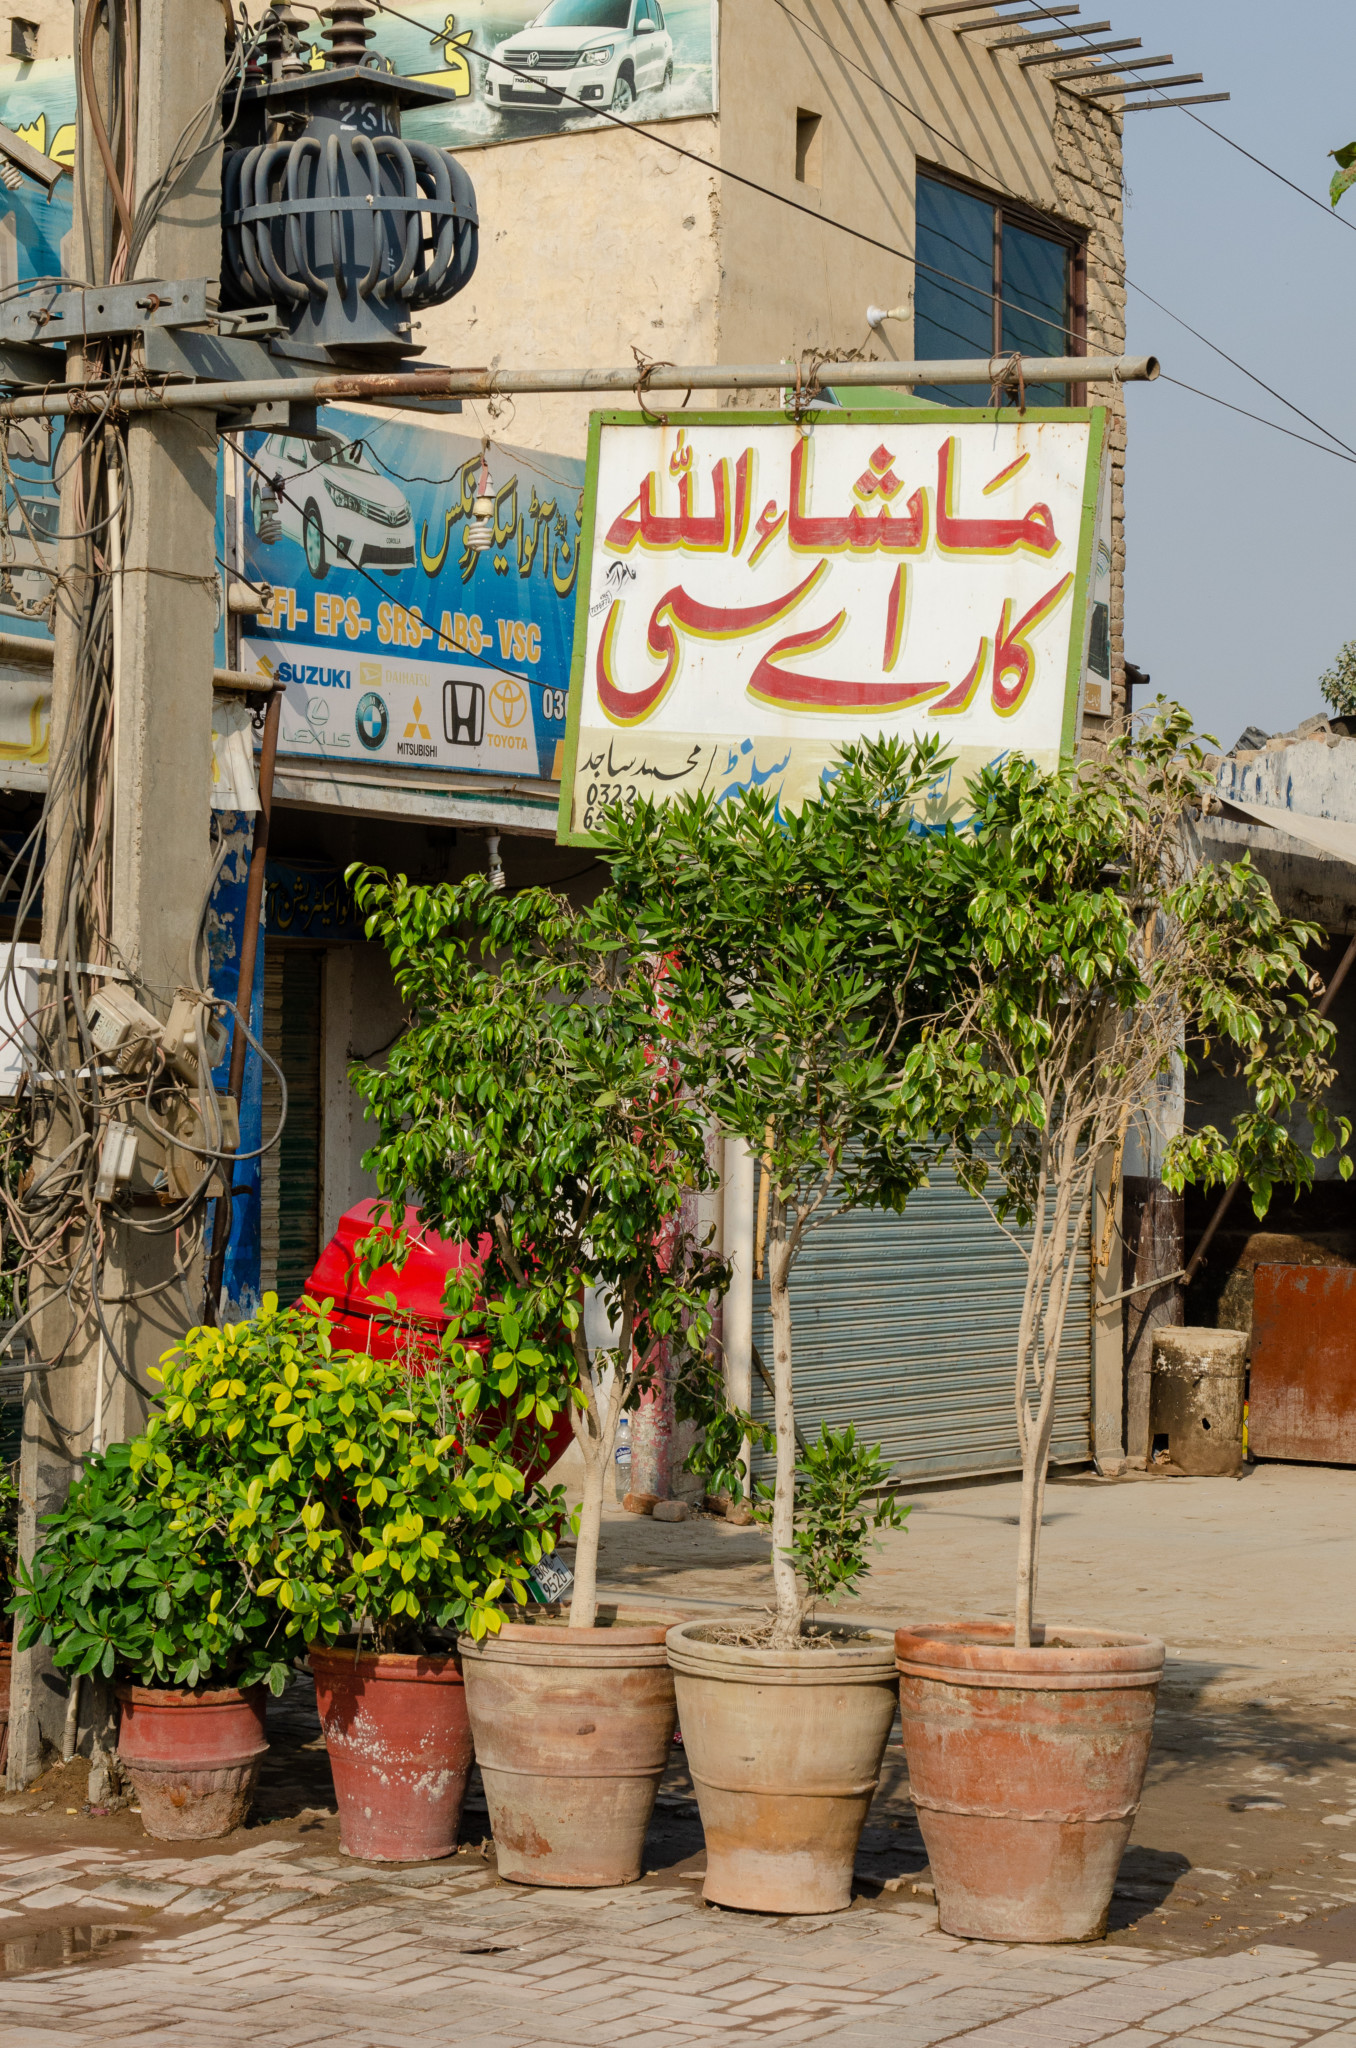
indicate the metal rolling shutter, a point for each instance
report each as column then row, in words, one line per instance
column 906, row 1327
column 290, row 1221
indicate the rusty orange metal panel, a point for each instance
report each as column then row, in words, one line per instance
column 1302, row 1392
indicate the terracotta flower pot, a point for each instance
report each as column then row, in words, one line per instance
column 193, row 1757
column 1026, row 1768
column 785, row 1749
column 573, row 1729
column 400, row 1750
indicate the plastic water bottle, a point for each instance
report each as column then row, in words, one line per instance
column 624, row 1447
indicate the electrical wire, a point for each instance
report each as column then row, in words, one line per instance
column 902, row 254
column 1275, row 425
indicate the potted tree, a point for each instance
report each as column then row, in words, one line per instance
column 1105, row 950
column 120, row 1590
column 375, row 1520
column 526, row 1105
column 806, row 954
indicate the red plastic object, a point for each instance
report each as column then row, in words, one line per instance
column 357, row 1317
column 400, row 1749
column 358, row 1320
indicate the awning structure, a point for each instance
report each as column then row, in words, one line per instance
column 1333, row 836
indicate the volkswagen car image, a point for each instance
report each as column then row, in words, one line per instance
column 329, row 495
column 604, row 53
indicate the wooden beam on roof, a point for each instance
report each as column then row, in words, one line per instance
column 968, row 28
column 1200, row 99
column 962, row 7
column 1093, row 50
column 1048, row 35
column 1094, row 92
column 1106, row 70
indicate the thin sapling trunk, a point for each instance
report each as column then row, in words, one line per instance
column 786, row 1628
column 595, row 1432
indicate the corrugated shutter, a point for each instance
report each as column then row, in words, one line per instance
column 290, row 1220
column 906, row 1327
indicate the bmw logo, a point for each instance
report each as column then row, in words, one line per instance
column 372, row 721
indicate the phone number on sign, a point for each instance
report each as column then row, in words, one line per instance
column 600, row 797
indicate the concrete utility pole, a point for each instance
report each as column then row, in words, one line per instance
column 160, row 785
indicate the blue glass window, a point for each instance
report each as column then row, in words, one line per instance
column 986, row 285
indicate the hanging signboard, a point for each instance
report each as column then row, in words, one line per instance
column 397, row 642
column 755, row 592
column 520, row 69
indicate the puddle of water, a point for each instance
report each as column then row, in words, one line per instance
column 50, row 1947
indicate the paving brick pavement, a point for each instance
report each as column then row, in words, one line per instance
column 275, row 1946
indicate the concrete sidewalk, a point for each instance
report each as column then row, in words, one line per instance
column 1233, row 1923
column 287, row 1948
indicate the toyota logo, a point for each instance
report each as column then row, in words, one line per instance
column 532, row 57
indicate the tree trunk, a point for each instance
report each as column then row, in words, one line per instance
column 786, row 1629
column 584, row 1599
column 1028, row 1535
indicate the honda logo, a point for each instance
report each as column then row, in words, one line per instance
column 463, row 713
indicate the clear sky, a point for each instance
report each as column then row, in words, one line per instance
column 1241, row 545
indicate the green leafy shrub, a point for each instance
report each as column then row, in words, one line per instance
column 834, row 1480
column 360, row 1497
column 119, row 1587
column 527, row 1108
column 1338, row 684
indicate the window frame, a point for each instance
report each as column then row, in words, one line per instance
column 1019, row 213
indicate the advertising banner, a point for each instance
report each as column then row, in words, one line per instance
column 519, row 68
column 398, row 643
column 37, row 101
column 755, row 592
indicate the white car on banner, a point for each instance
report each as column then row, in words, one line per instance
column 329, row 495
column 604, row 53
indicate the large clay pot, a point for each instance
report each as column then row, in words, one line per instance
column 573, row 1728
column 193, row 1757
column 1026, row 1768
column 400, row 1750
column 785, row 1749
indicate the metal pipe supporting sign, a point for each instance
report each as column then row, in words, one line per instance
column 755, row 592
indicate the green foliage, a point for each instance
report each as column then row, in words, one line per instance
column 119, row 1588
column 804, row 953
column 1107, row 957
column 527, row 1110
column 834, row 1480
column 1338, row 684
column 1100, row 941
column 359, row 1495
column 1345, row 174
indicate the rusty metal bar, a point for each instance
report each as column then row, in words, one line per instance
column 337, row 387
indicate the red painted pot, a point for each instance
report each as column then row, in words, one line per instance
column 1026, row 1768
column 193, row 1757
column 400, row 1749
